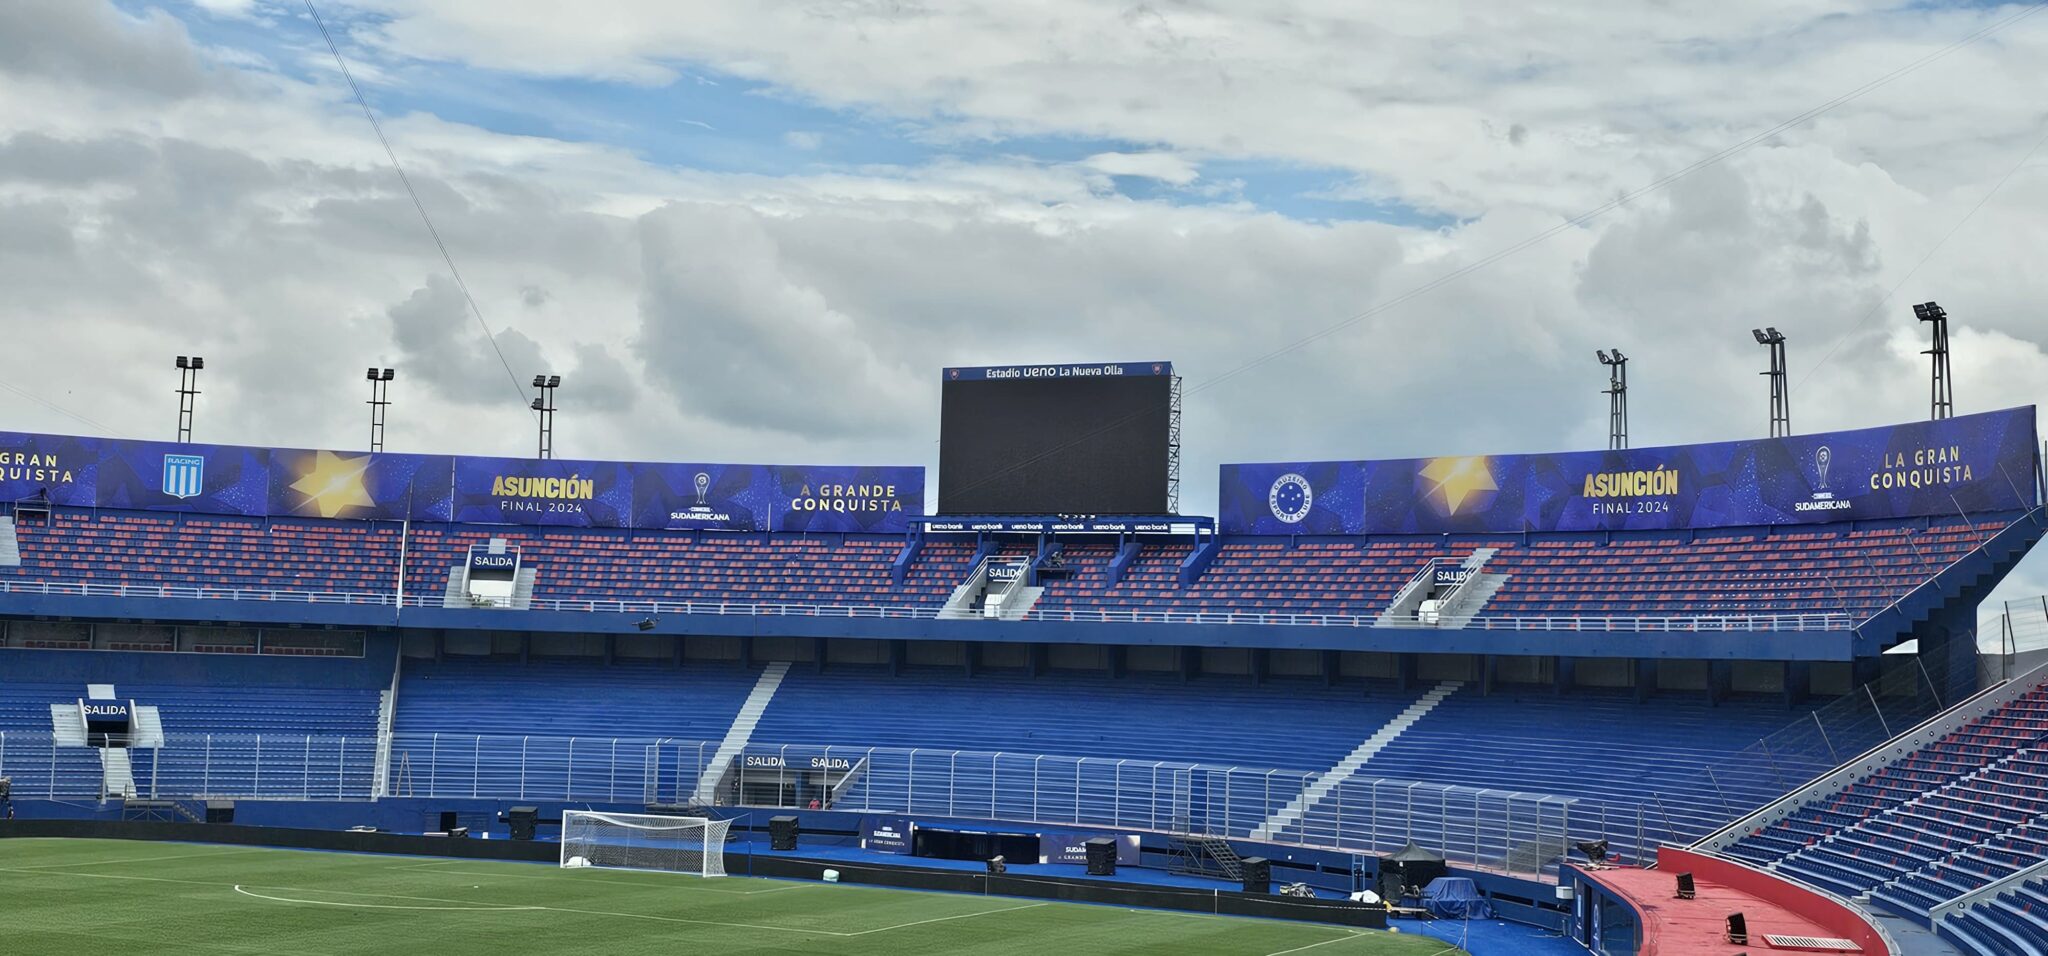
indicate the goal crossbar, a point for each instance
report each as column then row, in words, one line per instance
column 644, row 841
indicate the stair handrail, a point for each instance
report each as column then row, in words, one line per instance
column 2031, row 513
column 1883, row 755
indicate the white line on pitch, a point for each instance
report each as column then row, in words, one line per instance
column 478, row 907
column 137, row 859
column 1326, row 942
column 942, row 919
column 640, row 883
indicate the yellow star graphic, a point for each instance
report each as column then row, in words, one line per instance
column 335, row 484
column 1457, row 479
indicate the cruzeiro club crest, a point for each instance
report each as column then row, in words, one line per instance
column 1290, row 498
column 184, row 475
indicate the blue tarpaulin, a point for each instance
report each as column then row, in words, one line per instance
column 1455, row 897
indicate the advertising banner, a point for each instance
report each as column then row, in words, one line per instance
column 317, row 483
column 1072, row 848
column 329, row 484
column 61, row 467
column 584, row 494
column 847, row 498
column 180, row 476
column 1965, row 465
column 716, row 497
column 885, row 834
column 997, row 373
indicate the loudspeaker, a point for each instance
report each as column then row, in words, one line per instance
column 523, row 821
column 1258, row 875
column 1738, row 929
column 782, row 833
column 1101, row 856
column 220, row 811
column 1686, row 889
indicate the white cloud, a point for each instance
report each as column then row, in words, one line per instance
column 1165, row 167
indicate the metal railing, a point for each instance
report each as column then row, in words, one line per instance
column 1828, row 621
column 1502, row 831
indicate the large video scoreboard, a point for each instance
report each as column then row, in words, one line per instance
column 1056, row 439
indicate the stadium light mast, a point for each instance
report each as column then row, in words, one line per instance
column 380, row 397
column 1942, row 400
column 188, row 387
column 1781, row 403
column 545, row 405
column 1617, row 398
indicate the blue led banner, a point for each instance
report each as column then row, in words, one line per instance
column 584, row 494
column 998, row 373
column 844, row 498
column 330, row 484
column 1966, row 465
column 174, row 476
column 313, row 483
column 60, row 467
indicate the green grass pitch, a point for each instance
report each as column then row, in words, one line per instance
column 108, row 897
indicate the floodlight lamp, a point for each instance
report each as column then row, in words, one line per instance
column 1604, row 360
column 535, row 405
column 390, row 373
column 645, row 624
column 198, row 363
column 1929, row 312
column 540, row 381
column 1776, row 336
column 371, row 374
column 1761, row 339
column 554, row 381
column 184, row 362
column 1595, row 851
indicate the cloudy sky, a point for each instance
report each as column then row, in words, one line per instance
column 755, row 231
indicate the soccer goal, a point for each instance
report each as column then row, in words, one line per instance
column 638, row 841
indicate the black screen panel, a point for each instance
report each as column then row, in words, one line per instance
column 1055, row 445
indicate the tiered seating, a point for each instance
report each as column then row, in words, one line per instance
column 2015, row 922
column 1674, row 755
column 1854, row 572
column 1836, row 569
column 584, row 565
column 1947, row 819
column 1340, row 578
column 1291, row 724
column 225, row 708
column 569, row 699
column 211, row 552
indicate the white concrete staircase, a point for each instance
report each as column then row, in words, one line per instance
column 10, row 546
column 119, row 773
column 148, row 728
column 1298, row 808
column 741, row 731
column 67, row 725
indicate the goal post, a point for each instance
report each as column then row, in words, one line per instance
column 641, row 841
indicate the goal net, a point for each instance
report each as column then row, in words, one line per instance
column 637, row 841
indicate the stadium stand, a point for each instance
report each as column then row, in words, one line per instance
column 1851, row 570
column 569, row 699
column 2013, row 921
column 1952, row 816
column 1856, row 571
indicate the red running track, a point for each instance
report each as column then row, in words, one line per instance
column 1770, row 904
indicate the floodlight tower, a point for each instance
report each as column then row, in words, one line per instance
column 380, row 397
column 1942, row 401
column 188, row 388
column 545, row 405
column 1781, row 403
column 1617, row 398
